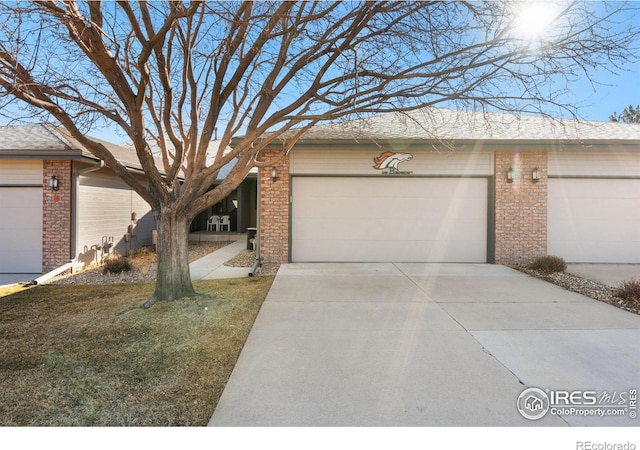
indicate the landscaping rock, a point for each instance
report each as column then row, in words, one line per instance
column 592, row 289
column 143, row 262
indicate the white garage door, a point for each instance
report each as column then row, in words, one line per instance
column 21, row 230
column 595, row 220
column 384, row 219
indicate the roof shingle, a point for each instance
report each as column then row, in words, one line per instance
column 446, row 124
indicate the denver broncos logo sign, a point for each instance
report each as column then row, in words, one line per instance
column 390, row 160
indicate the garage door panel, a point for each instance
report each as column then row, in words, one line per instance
column 380, row 251
column 349, row 210
column 20, row 218
column 389, row 219
column 379, row 230
column 595, row 209
column 595, row 220
column 17, row 239
column 21, row 230
column 607, row 189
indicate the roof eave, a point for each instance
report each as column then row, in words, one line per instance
column 61, row 154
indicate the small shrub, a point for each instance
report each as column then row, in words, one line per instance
column 629, row 291
column 116, row 265
column 141, row 252
column 548, row 264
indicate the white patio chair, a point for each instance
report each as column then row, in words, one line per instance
column 225, row 221
column 213, row 222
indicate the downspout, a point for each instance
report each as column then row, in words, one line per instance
column 76, row 201
column 256, row 263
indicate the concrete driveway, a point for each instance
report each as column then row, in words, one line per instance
column 609, row 274
column 425, row 345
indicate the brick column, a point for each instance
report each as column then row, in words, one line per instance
column 274, row 212
column 520, row 207
column 56, row 215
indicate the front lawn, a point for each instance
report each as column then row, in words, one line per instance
column 88, row 356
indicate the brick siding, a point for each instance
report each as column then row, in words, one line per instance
column 520, row 207
column 274, row 212
column 56, row 215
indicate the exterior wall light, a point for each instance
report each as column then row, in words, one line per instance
column 535, row 175
column 274, row 174
column 511, row 174
column 54, row 184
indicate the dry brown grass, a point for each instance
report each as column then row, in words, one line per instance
column 629, row 291
column 87, row 356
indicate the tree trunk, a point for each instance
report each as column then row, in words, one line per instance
column 173, row 279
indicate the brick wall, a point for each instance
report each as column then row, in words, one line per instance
column 56, row 215
column 274, row 212
column 520, row 207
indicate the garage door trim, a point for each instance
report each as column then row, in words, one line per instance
column 490, row 251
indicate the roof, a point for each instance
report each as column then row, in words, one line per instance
column 33, row 139
column 212, row 151
column 49, row 141
column 451, row 125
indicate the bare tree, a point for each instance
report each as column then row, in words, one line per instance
column 169, row 73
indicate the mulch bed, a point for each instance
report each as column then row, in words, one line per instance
column 144, row 267
column 143, row 264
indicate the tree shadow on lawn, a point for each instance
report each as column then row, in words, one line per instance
column 70, row 357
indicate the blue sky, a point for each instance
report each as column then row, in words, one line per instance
column 598, row 102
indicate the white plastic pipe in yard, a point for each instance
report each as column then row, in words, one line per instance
column 55, row 272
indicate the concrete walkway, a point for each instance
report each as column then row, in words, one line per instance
column 211, row 267
column 423, row 345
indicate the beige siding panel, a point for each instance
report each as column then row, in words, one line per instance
column 105, row 205
column 360, row 162
column 613, row 163
column 21, row 230
column 389, row 219
column 145, row 221
column 594, row 220
column 19, row 171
